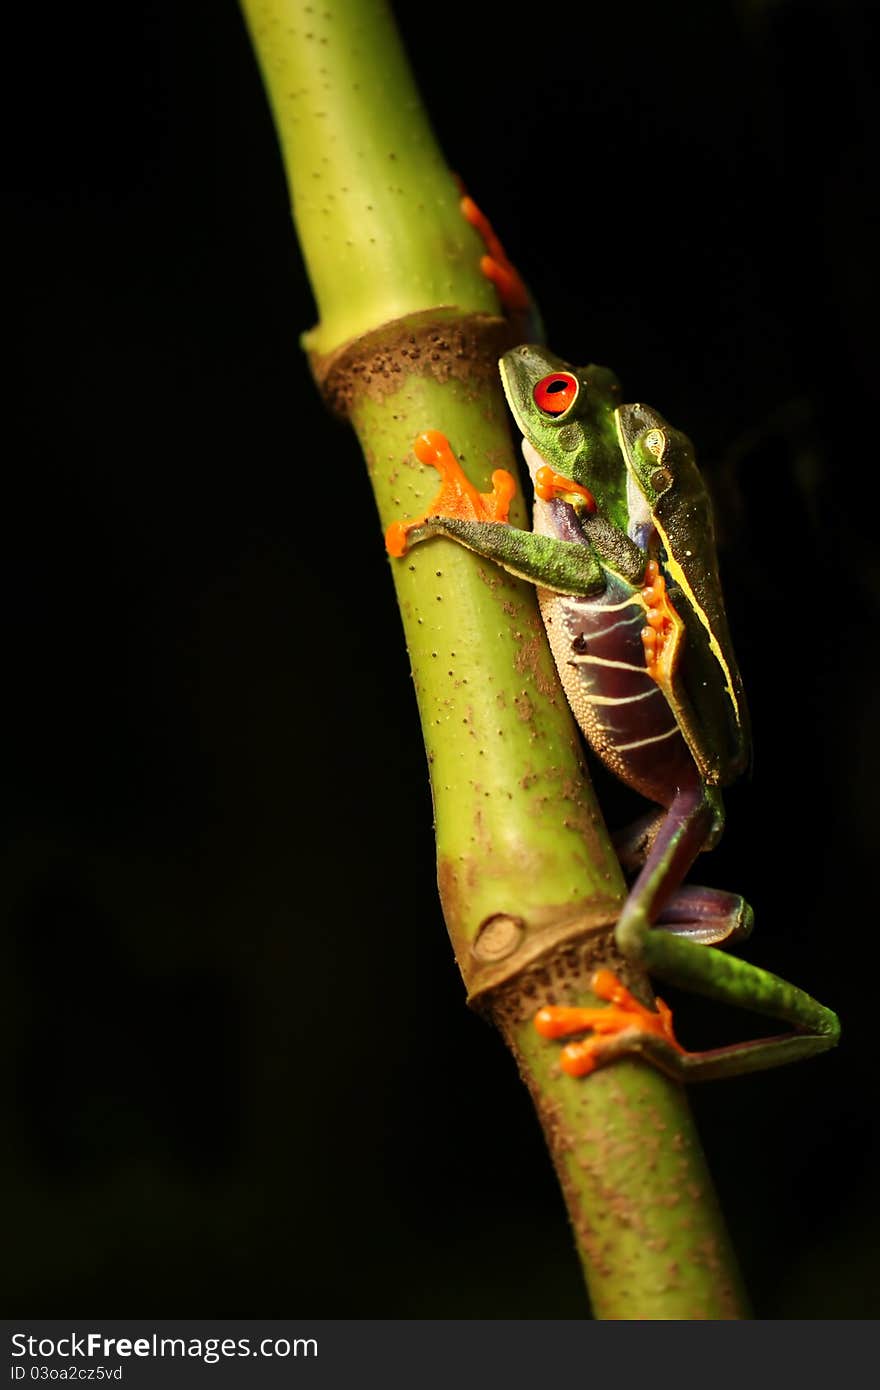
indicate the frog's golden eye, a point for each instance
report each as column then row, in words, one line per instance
column 555, row 393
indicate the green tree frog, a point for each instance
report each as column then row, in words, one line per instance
column 623, row 555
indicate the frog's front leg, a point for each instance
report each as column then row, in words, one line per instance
column 691, row 818
column 478, row 521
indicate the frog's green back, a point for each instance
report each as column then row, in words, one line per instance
column 663, row 466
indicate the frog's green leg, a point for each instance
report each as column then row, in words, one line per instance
column 563, row 566
column 702, row 969
column 479, row 522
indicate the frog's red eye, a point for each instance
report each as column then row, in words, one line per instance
column 555, row 393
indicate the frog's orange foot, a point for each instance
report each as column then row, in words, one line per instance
column 458, row 498
column 495, row 264
column 625, row 1018
column 664, row 628
column 549, row 484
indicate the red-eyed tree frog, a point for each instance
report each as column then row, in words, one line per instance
column 623, row 556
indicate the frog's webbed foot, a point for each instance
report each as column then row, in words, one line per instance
column 664, row 631
column 458, row 498
column 625, row 1026
column 496, row 265
column 478, row 521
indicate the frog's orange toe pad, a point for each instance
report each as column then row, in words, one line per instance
column 502, row 494
column 396, row 539
column 507, row 281
column 605, row 985
column 579, row 1058
column 554, row 1022
column 432, row 447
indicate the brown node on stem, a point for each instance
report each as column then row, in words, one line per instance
column 507, row 946
column 561, row 975
column 441, row 343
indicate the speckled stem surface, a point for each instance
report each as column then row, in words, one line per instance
column 408, row 339
column 649, row 1230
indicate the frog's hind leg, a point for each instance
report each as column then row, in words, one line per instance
column 632, row 843
column 709, row 916
column 627, row 1027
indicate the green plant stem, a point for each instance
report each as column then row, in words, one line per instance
column 408, row 339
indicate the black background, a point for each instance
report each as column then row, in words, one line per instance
column 241, row 1076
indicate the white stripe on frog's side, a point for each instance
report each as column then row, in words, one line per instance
column 643, row 742
column 635, row 600
column 620, row 699
column 624, row 622
column 607, row 661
